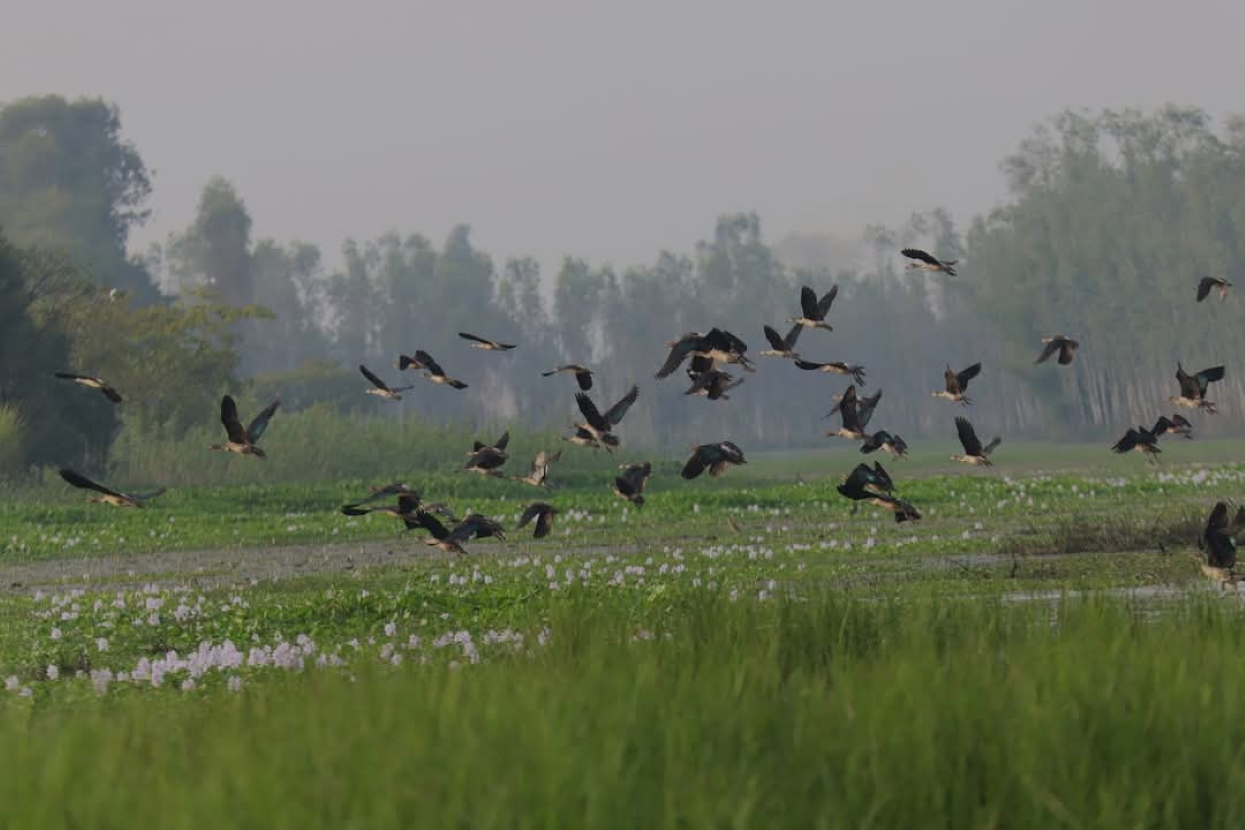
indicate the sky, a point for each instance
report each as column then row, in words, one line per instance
column 604, row 130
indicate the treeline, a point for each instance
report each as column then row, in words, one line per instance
column 1112, row 217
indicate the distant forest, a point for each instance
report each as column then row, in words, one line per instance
column 1110, row 220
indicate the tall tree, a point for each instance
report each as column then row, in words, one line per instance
column 70, row 182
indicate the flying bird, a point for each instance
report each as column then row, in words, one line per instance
column 974, row 452
column 485, row 343
column 718, row 346
column 473, row 526
column 599, row 426
column 714, row 457
column 92, row 383
column 782, row 346
column 630, row 485
column 1177, row 424
column 382, row 389
column 957, row 384
column 487, row 460
column 435, row 373
column 407, row 504
column 395, row 489
column 836, row 367
column 543, row 514
column 814, row 310
column 886, row 441
column 583, row 376
column 929, row 263
column 1140, row 440
column 1205, row 284
column 1193, row 388
column 873, row 484
column 243, row 441
column 712, row 383
column 538, row 476
column 851, row 429
column 1066, row 347
column 108, row 495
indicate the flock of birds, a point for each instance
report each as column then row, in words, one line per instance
column 707, row 355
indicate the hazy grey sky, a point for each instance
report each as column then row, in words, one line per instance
column 604, row 130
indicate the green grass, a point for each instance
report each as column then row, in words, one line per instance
column 827, row 711
column 1038, row 651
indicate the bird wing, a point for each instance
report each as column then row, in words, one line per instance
column 865, row 407
column 775, row 340
column 71, row 376
column 1049, row 350
column 424, row 359
column 428, row 522
column 827, row 300
column 544, row 523
column 530, row 512
column 1161, row 425
column 476, row 338
column 965, row 375
column 503, row 440
column 1204, row 285
column 917, row 253
column 698, row 462
column 590, row 412
column 968, row 436
column 615, row 413
column 808, row 365
column 377, row 382
column 260, row 422
column 110, row 393
column 229, row 417
column 792, row 335
column 1208, row 376
column 881, row 477
column 847, row 408
column 79, row 480
column 732, row 452
column 808, row 302
column 989, row 448
column 678, row 353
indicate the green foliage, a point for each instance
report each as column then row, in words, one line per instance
column 69, row 182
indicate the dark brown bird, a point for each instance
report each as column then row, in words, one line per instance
column 242, row 441
column 713, row 457
column 852, row 429
column 107, row 495
column 887, row 441
column 837, row 367
column 782, row 346
column 630, row 485
column 407, row 504
column 382, row 390
column 543, row 514
column 1066, row 347
column 434, row 373
column 957, row 384
column 1141, row 440
column 583, row 375
column 712, row 383
column 874, row 485
column 1193, row 388
column 974, row 452
column 599, row 426
column 93, row 383
column 814, row 310
column 1175, row 425
column 1205, row 284
column 929, row 263
column 473, row 526
column 485, row 343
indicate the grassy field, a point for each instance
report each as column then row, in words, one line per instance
column 1040, row 650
